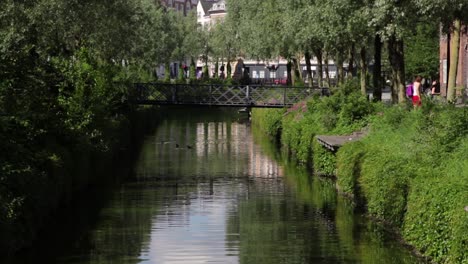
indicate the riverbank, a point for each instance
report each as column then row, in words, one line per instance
column 77, row 166
column 410, row 171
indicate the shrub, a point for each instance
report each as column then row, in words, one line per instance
column 324, row 160
column 348, row 167
column 384, row 183
column 268, row 120
column 436, row 221
column 391, row 159
column 410, row 170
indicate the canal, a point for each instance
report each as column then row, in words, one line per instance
column 208, row 188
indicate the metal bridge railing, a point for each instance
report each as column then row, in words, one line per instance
column 221, row 95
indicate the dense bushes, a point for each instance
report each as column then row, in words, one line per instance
column 61, row 119
column 415, row 176
column 410, row 171
column 269, row 120
column 349, row 164
column 343, row 113
column 59, row 116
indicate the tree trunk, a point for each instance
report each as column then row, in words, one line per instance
column 448, row 65
column 327, row 72
column 215, row 74
column 319, row 55
column 363, row 62
column 180, row 73
column 397, row 64
column 193, row 70
column 228, row 68
column 167, row 72
column 308, row 68
column 351, row 62
column 454, row 52
column 377, row 72
column 297, row 79
column 288, row 71
column 339, row 68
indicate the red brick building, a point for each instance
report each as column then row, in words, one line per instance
column 462, row 73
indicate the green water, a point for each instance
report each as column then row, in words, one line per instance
column 208, row 188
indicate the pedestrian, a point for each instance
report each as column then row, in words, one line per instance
column 409, row 92
column 435, row 88
column 417, row 92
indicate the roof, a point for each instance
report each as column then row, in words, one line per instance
column 218, row 7
column 207, row 4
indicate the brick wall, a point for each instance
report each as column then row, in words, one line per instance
column 462, row 73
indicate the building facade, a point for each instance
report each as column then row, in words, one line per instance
column 210, row 12
column 462, row 72
column 180, row 5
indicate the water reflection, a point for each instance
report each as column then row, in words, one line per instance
column 206, row 180
column 204, row 150
column 208, row 190
column 239, row 205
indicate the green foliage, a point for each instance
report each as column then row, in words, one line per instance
column 268, row 120
column 167, row 73
column 291, row 135
column 413, row 175
column 388, row 166
column 60, row 105
column 192, row 71
column 344, row 112
column 422, row 51
column 436, row 221
column 348, row 167
column 410, row 171
column 324, row 160
column 385, row 185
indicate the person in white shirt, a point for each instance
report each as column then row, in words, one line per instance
column 417, row 92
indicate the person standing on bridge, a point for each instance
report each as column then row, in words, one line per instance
column 417, row 92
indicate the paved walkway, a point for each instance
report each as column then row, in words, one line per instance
column 333, row 143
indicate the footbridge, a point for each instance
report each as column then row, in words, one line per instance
column 221, row 95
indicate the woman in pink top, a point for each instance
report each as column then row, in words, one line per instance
column 416, row 92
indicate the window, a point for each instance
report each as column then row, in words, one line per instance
column 255, row 74
column 262, row 74
column 272, row 75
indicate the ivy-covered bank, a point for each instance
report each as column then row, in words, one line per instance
column 410, row 171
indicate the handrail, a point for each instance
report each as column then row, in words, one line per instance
column 221, row 94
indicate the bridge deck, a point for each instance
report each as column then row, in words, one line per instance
column 221, row 95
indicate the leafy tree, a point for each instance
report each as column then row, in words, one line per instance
column 58, row 64
column 422, row 51
column 224, row 42
column 451, row 14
